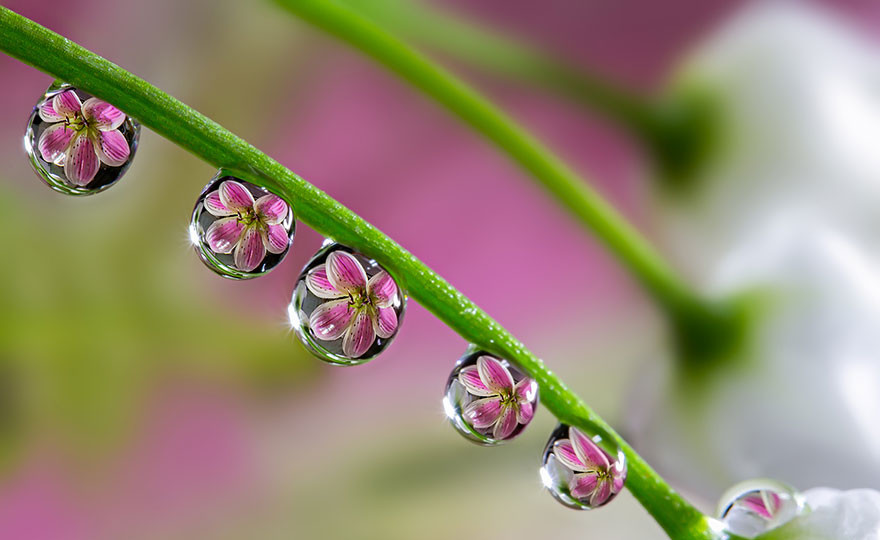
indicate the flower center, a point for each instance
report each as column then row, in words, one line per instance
column 508, row 398
column 77, row 123
column 360, row 301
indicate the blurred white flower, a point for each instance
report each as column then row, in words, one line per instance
column 788, row 204
column 801, row 404
column 799, row 96
column 835, row 515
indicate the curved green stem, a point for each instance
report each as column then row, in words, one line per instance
column 685, row 310
column 65, row 60
column 678, row 131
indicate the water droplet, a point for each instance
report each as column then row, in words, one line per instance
column 346, row 309
column 489, row 400
column 757, row 506
column 240, row 230
column 583, row 469
column 78, row 144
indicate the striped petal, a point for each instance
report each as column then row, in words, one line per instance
column 526, row 389
column 67, row 104
column 565, row 453
column 48, row 113
column 505, row 424
column 330, row 320
column 601, row 494
column 215, row 206
column 495, row 376
column 102, row 115
column 81, row 161
column 525, row 412
column 112, row 148
column 235, row 196
column 470, row 378
column 345, row 272
column 271, row 208
column 276, row 239
column 250, row 251
column 589, row 453
column 385, row 322
column 319, row 285
column 382, row 289
column 54, row 142
column 359, row 337
column 483, row 413
column 224, row 234
column 584, row 485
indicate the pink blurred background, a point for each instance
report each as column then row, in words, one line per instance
column 128, row 415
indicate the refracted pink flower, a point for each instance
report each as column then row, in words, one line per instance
column 247, row 228
column 502, row 405
column 82, row 136
column 764, row 502
column 597, row 477
column 357, row 309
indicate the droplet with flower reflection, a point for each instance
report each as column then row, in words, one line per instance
column 240, row 230
column 751, row 508
column 346, row 308
column 583, row 470
column 78, row 144
column 489, row 400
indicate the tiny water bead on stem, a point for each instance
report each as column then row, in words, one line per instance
column 582, row 471
column 753, row 507
column 346, row 309
column 489, row 400
column 78, row 144
column 240, row 230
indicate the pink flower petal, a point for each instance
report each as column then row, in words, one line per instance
column 601, row 495
column 505, row 424
column 102, row 115
column 215, row 206
column 271, row 208
column 319, row 285
column 567, row 456
column 54, row 142
column 382, row 289
column 81, row 161
column 330, row 320
column 112, row 148
column 359, row 336
column 275, row 239
column 67, row 104
column 483, row 413
column 47, row 112
column 584, row 485
column 495, row 376
column 525, row 412
column 759, row 504
column 619, row 477
column 345, row 272
column 470, row 378
column 224, row 234
column 385, row 322
column 589, row 453
column 250, row 251
column 235, row 196
column 526, row 389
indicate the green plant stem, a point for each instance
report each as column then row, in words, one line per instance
column 702, row 329
column 65, row 60
column 679, row 131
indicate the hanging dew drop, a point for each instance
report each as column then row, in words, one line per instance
column 240, row 230
column 583, row 469
column 346, row 309
column 751, row 508
column 489, row 400
column 78, row 144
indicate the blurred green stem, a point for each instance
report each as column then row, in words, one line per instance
column 678, row 131
column 65, row 60
column 704, row 331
